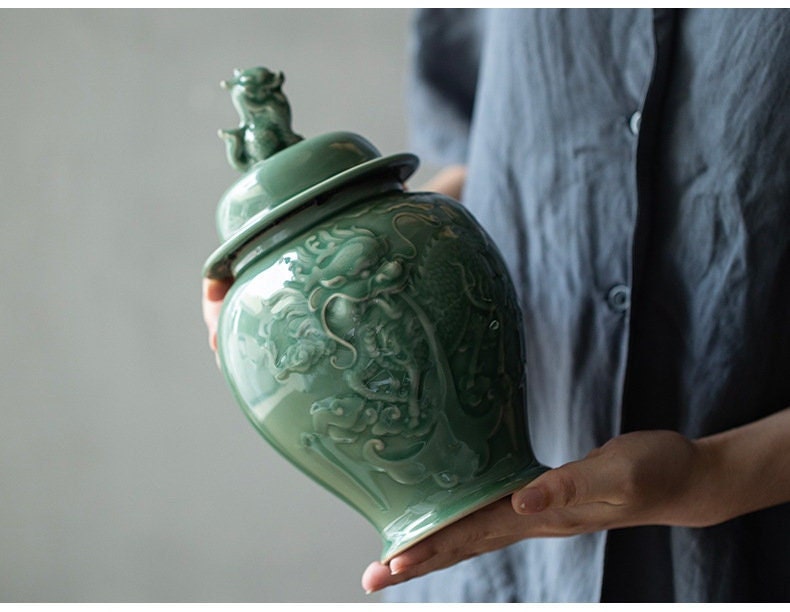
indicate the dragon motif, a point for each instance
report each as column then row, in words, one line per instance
column 415, row 336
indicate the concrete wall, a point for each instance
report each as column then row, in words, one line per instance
column 127, row 472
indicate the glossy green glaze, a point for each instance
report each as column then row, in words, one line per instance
column 373, row 338
column 289, row 173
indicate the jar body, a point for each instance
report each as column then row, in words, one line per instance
column 380, row 350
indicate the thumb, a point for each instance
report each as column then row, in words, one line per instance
column 575, row 483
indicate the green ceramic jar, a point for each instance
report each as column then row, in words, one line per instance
column 371, row 335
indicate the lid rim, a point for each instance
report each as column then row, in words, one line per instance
column 220, row 263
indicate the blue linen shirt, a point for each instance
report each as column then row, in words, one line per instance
column 632, row 167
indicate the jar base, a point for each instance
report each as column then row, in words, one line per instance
column 429, row 516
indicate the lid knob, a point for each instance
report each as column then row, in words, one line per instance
column 284, row 173
column 265, row 114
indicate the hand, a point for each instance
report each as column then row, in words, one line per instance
column 650, row 477
column 449, row 180
column 213, row 293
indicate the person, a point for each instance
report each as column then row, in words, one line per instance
column 632, row 167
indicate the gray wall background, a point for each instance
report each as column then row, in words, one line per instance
column 127, row 472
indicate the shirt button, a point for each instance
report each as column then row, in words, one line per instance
column 619, row 298
column 634, row 122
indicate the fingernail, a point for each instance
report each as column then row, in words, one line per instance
column 396, row 567
column 530, row 500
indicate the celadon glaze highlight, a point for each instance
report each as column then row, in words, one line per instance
column 371, row 335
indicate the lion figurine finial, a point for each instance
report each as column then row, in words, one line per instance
column 265, row 114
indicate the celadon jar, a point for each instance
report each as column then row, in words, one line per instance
column 371, row 334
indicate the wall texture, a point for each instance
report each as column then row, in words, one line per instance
column 127, row 472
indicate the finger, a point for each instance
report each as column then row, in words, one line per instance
column 440, row 558
column 376, row 577
column 593, row 479
column 214, row 289
column 211, row 317
column 212, row 333
column 557, row 488
column 213, row 293
column 379, row 576
column 491, row 527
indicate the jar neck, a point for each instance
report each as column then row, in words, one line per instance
column 310, row 214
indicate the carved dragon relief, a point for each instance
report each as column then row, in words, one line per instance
column 391, row 322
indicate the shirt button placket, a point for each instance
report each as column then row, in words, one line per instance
column 635, row 122
column 619, row 298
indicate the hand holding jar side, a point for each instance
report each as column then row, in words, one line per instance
column 214, row 291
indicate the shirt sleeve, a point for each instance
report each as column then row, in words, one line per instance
column 445, row 57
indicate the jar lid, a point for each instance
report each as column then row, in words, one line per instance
column 282, row 171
